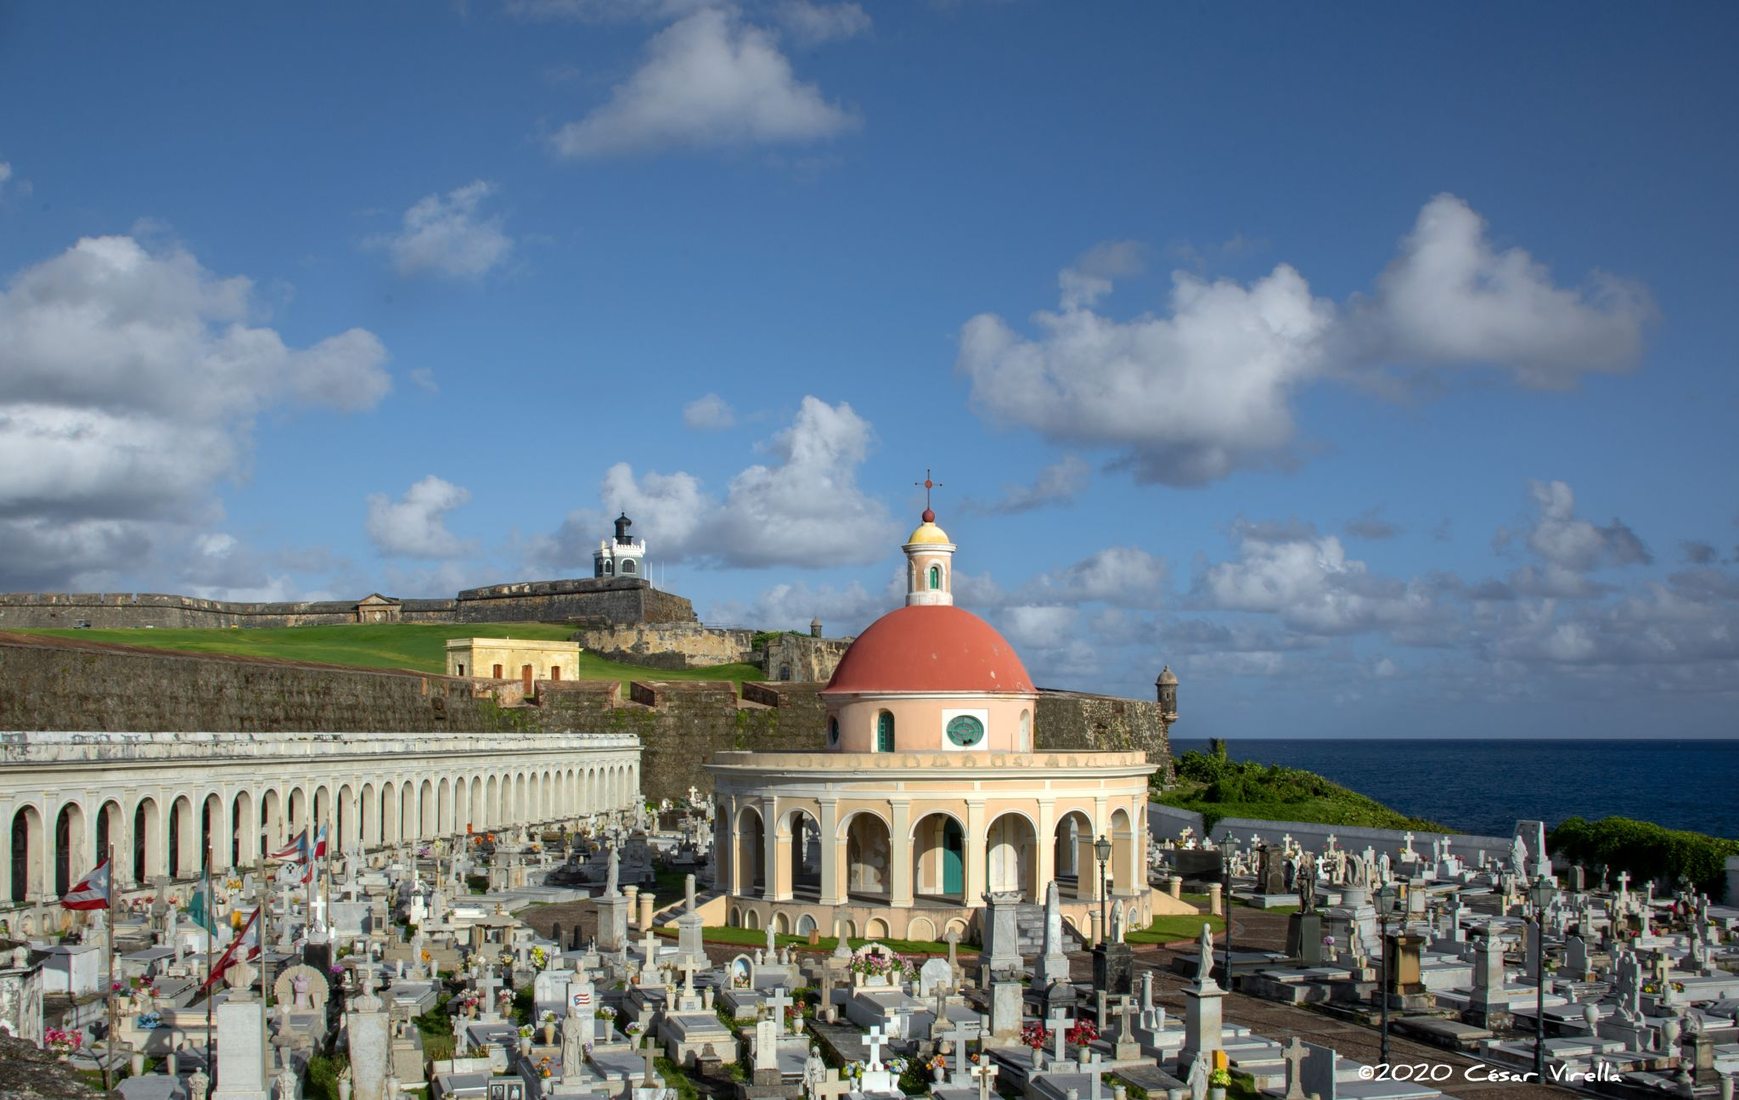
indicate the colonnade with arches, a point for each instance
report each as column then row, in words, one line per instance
column 166, row 807
column 928, row 838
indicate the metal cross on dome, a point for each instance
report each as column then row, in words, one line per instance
column 928, row 485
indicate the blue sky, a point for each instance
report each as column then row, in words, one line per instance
column 1369, row 365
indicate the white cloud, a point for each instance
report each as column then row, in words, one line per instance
column 1126, row 576
column 790, row 606
column 709, row 81
column 805, row 510
column 130, row 378
column 447, row 235
column 415, row 525
column 1575, row 544
column 1310, row 583
column 708, row 412
column 1451, row 298
column 1206, row 389
column 814, row 24
column 1059, row 483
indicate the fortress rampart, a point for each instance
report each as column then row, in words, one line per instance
column 66, row 684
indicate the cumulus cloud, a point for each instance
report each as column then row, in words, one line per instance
column 708, row 413
column 711, row 80
column 1310, row 583
column 448, row 235
column 1568, row 542
column 1124, row 575
column 805, row 509
column 814, row 24
column 1450, row 297
column 1206, row 388
column 1059, row 483
column 130, row 378
column 1698, row 553
column 415, row 525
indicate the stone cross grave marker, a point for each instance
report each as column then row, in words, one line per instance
column 1294, row 1055
column 776, row 1005
column 833, row 1087
column 874, row 1039
column 1059, row 1024
column 985, row 1072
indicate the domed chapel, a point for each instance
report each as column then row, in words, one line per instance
column 924, row 793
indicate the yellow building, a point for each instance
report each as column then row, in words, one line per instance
column 924, row 794
column 512, row 659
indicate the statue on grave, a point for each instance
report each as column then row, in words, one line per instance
column 1518, row 855
column 613, row 870
column 1198, row 1079
column 1305, row 880
column 1205, row 957
column 814, row 1070
column 573, row 1046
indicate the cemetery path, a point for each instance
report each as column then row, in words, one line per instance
column 1255, row 929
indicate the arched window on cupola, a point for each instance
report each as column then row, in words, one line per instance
column 884, row 732
column 628, row 565
column 935, row 578
column 609, row 567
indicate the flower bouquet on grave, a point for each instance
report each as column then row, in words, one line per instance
column 605, row 1012
column 882, row 964
column 150, row 1021
column 854, row 1071
column 63, row 1041
column 1081, row 1033
column 525, row 1031
column 538, row 957
column 504, row 998
column 1035, row 1035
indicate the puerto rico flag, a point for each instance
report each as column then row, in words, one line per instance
column 92, row 891
column 297, row 849
column 247, row 945
column 320, row 843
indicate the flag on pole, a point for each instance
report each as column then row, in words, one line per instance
column 320, row 843
column 297, row 849
column 92, row 891
column 247, row 945
column 199, row 907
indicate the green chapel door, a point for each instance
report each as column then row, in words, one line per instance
column 953, row 860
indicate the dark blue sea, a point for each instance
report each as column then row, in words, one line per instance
column 1485, row 787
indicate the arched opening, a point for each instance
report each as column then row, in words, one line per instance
column 875, row 929
column 271, row 819
column 805, row 924
column 1075, row 872
column 322, row 812
column 443, row 810
column 298, row 817
column 935, row 578
column 781, row 926
column 750, row 867
column 939, row 858
column 920, row 928
column 429, row 811
column 868, row 857
column 1122, row 870
column 109, row 824
column 884, row 732
column 69, row 862
column 751, row 919
column 630, row 568
column 804, row 854
column 389, row 813
column 26, row 854
column 183, row 839
column 241, row 826
column 487, row 818
column 1024, row 740
column 1010, row 856
column 344, row 821
column 147, row 841
column 211, row 829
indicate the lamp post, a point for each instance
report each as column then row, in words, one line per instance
column 1540, row 893
column 1102, row 849
column 1386, row 896
column 1230, row 845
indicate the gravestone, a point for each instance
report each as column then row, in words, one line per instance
column 1053, row 965
column 935, row 975
column 1001, row 958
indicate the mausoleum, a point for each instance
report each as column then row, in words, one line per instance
column 923, row 793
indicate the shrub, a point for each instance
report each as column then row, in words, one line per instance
column 1648, row 851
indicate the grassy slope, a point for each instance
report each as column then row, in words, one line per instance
column 1218, row 788
column 417, row 646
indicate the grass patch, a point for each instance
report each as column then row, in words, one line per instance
column 1174, row 927
column 749, row 937
column 675, row 1078
column 437, row 1030
column 419, row 647
column 1218, row 787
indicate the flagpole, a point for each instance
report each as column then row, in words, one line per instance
column 266, row 892
column 209, row 911
column 109, row 951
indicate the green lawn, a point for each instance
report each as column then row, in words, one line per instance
column 420, row 647
column 1170, row 929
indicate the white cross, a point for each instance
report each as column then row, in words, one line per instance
column 1059, row 1024
column 874, row 1040
column 986, row 1072
column 777, row 1004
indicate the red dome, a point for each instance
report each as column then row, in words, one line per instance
column 930, row 648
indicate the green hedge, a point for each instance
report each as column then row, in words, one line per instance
column 1217, row 787
column 1648, row 851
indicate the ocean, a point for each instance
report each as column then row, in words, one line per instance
column 1485, row 787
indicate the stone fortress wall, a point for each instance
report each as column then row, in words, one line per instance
column 681, row 645
column 585, row 601
column 67, row 684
